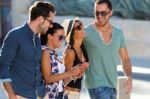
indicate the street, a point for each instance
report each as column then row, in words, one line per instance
column 141, row 80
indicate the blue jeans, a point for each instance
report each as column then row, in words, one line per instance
column 102, row 93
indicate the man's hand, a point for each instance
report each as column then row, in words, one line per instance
column 12, row 96
column 128, row 85
column 9, row 90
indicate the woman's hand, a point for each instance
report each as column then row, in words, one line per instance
column 78, row 70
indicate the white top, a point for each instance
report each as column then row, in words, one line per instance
column 61, row 68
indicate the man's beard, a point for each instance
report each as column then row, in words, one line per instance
column 42, row 29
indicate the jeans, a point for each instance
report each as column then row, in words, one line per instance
column 65, row 96
column 61, row 95
column 102, row 93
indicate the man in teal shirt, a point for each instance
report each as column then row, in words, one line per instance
column 105, row 44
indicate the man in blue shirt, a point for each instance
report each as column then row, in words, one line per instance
column 21, row 54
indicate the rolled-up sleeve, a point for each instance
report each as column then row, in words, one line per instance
column 8, row 51
column 5, row 80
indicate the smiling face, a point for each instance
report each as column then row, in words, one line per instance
column 102, row 14
column 46, row 23
column 79, row 32
column 57, row 38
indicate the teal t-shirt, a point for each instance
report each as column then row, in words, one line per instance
column 103, row 58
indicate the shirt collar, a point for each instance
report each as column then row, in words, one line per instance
column 29, row 31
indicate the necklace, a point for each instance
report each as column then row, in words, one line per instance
column 109, row 32
column 106, row 43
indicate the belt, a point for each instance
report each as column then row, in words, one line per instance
column 71, row 89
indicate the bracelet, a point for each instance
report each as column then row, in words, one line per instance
column 71, row 78
column 129, row 77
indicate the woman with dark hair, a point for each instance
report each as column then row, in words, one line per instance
column 52, row 67
column 74, row 54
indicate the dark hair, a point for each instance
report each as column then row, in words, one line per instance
column 41, row 9
column 71, row 41
column 52, row 31
column 104, row 1
column 84, row 52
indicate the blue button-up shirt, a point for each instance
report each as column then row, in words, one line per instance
column 20, row 62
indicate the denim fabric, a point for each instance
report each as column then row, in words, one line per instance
column 102, row 93
column 65, row 96
column 20, row 62
column 61, row 95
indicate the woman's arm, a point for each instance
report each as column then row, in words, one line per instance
column 46, row 70
column 69, row 58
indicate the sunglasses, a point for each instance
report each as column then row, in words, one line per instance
column 102, row 13
column 50, row 21
column 79, row 27
column 61, row 37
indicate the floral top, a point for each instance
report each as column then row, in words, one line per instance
column 52, row 89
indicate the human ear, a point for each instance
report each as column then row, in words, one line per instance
column 49, row 36
column 111, row 13
column 41, row 19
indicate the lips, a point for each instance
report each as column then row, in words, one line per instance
column 100, row 20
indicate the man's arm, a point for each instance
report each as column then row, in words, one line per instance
column 8, row 53
column 127, row 68
column 9, row 89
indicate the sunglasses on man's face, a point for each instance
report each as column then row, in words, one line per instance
column 102, row 13
column 50, row 21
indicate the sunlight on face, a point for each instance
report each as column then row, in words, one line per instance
column 58, row 38
column 79, row 32
column 102, row 14
column 47, row 23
